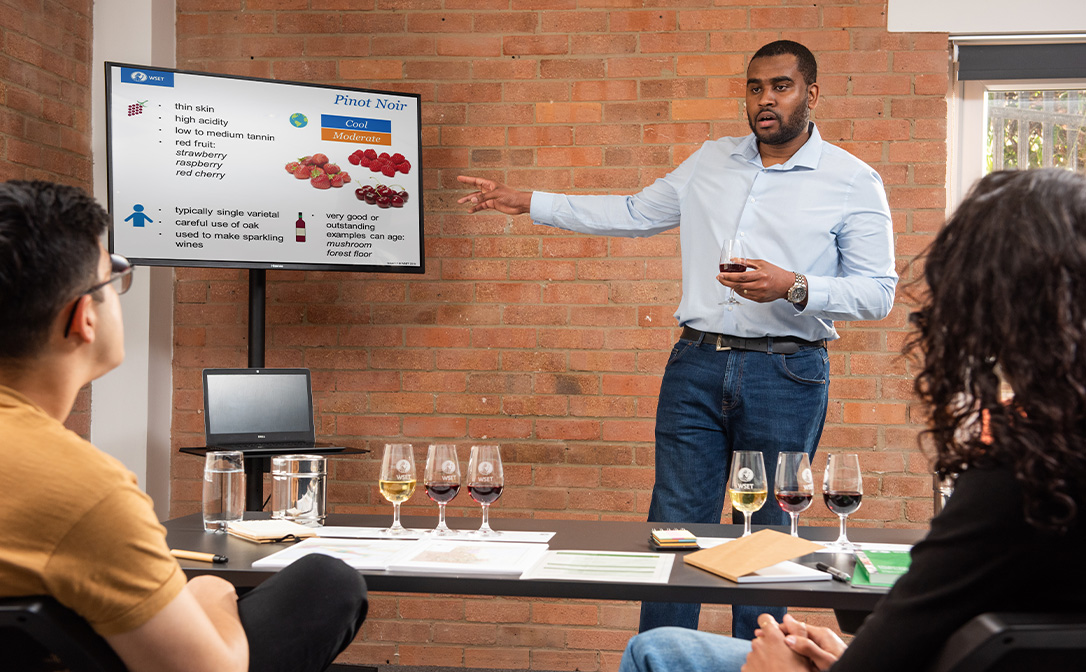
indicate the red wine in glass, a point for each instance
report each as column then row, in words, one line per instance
column 733, row 268
column 442, row 492
column 794, row 502
column 841, row 502
column 485, row 494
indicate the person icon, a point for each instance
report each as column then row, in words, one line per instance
column 138, row 218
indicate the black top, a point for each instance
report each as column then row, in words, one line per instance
column 980, row 556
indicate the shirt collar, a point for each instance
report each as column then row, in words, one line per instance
column 805, row 157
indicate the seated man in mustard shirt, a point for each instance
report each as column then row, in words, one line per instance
column 73, row 521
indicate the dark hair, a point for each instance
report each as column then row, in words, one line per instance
column 805, row 60
column 48, row 255
column 1006, row 301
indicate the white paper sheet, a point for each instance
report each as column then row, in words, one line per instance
column 514, row 536
column 607, row 566
column 440, row 556
column 358, row 553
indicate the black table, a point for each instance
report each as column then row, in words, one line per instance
column 687, row 584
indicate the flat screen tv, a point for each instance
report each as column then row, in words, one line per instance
column 214, row 170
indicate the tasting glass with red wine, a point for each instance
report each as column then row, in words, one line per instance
column 442, row 481
column 842, row 490
column 731, row 261
column 793, row 485
column 485, row 482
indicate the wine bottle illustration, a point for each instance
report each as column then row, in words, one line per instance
column 299, row 229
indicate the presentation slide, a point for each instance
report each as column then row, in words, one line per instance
column 210, row 170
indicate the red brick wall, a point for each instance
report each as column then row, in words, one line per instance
column 548, row 343
column 45, row 81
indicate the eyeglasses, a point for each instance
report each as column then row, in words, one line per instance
column 120, row 273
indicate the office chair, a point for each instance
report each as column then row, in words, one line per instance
column 1002, row 642
column 38, row 633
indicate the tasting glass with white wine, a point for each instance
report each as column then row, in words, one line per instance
column 397, row 481
column 486, row 479
column 747, row 488
column 842, row 490
column 793, row 485
column 442, row 481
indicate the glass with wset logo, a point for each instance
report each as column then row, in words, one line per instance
column 442, row 481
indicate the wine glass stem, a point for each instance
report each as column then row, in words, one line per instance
column 795, row 523
column 486, row 521
column 441, row 516
column 746, row 524
column 842, row 538
column 396, row 515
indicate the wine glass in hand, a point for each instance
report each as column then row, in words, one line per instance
column 442, row 479
column 397, row 480
column 793, row 485
column 843, row 488
column 731, row 261
column 747, row 484
column 485, row 482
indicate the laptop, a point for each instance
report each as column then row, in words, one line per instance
column 260, row 411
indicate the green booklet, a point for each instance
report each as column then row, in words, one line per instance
column 880, row 568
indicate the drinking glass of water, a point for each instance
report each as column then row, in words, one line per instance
column 224, row 489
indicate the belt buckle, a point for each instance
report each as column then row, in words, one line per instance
column 719, row 347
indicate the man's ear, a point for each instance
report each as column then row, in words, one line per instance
column 812, row 95
column 84, row 319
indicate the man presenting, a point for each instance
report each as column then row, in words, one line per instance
column 817, row 242
column 73, row 522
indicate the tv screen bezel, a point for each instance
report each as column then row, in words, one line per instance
column 266, row 265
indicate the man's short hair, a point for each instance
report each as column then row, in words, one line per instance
column 805, row 60
column 48, row 254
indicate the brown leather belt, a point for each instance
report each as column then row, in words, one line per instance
column 777, row 345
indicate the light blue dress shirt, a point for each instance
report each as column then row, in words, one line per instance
column 823, row 213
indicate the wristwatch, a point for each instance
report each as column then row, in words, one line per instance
column 797, row 293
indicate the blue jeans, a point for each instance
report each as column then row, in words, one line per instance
column 682, row 650
column 711, row 403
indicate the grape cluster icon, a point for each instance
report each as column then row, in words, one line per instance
column 137, row 108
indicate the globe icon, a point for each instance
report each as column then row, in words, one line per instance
column 139, row 77
column 298, row 120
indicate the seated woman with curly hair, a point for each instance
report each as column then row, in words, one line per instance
column 1005, row 304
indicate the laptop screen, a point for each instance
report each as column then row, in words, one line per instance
column 257, row 405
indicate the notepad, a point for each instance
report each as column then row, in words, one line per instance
column 676, row 539
column 880, row 568
column 268, row 531
column 745, row 556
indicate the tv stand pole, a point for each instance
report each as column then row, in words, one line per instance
column 256, row 467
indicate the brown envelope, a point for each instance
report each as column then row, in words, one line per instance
column 749, row 554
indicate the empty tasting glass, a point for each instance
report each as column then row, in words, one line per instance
column 442, row 480
column 747, row 485
column 397, row 480
column 842, row 489
column 793, row 485
column 224, row 489
column 485, row 482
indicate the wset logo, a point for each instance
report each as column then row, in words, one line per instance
column 138, row 76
